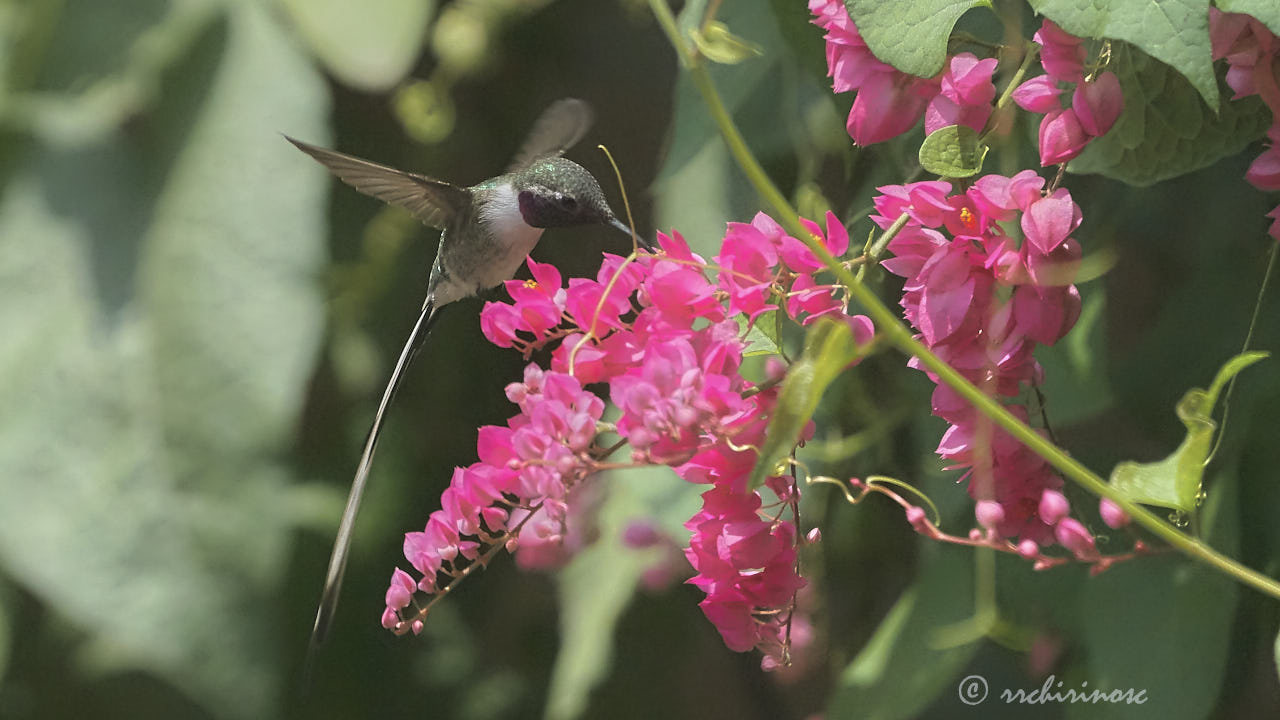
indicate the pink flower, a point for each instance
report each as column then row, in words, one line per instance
column 748, row 260
column 1061, row 54
column 1112, row 515
column 1048, row 221
column 1053, row 507
column 1074, row 537
column 1098, row 103
column 1061, row 137
column 989, row 513
column 805, row 296
column 888, row 104
column 1264, row 172
column 965, row 95
column 1040, row 95
column 399, row 594
column 801, row 259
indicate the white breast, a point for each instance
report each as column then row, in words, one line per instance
column 514, row 237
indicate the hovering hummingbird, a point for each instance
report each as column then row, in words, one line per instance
column 487, row 232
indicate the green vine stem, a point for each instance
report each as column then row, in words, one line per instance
column 899, row 335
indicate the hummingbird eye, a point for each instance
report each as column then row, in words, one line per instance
column 567, row 202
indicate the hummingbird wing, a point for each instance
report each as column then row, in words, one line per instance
column 432, row 201
column 559, row 128
column 342, row 545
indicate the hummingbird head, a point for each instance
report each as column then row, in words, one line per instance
column 555, row 192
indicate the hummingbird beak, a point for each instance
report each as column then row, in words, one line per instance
column 644, row 242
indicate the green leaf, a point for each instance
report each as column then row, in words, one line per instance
column 161, row 320
column 1266, row 12
column 762, row 337
column 1175, row 481
column 1165, row 131
column 901, row 669
column 79, row 69
column 911, row 36
column 829, row 347
column 953, row 152
column 1176, row 32
column 1171, row 634
column 719, row 45
column 598, row 584
column 370, row 45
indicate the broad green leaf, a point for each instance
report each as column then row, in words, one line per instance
column 1175, row 481
column 598, row 584
column 829, row 347
column 1175, row 32
column 1165, row 131
column 77, row 69
column 369, row 45
column 911, row 36
column 718, row 44
column 1163, row 625
column 762, row 338
column 1266, row 12
column 902, row 669
column 161, row 318
column 953, row 152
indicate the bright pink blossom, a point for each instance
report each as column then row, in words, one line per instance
column 965, row 95
column 1098, row 103
column 1039, row 95
column 1061, row 53
column 1062, row 137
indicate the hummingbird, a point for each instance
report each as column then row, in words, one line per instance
column 487, row 231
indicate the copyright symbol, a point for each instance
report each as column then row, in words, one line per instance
column 973, row 690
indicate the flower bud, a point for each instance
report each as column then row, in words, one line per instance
column 1053, row 507
column 1112, row 515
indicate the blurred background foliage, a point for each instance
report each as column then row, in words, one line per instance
column 195, row 323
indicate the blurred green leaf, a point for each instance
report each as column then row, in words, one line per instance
column 829, row 347
column 1165, row 130
column 1076, row 384
column 78, row 69
column 953, row 152
column 911, row 36
column 1266, row 12
column 1163, row 625
column 1175, row 481
column 901, row 670
column 598, row 584
column 1175, row 32
column 162, row 317
column 369, row 45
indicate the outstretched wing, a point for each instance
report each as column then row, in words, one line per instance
column 432, row 201
column 559, row 128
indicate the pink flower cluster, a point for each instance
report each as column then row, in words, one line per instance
column 659, row 331
column 1094, row 106
column 982, row 300
column 531, row 463
column 1251, row 52
column 890, row 102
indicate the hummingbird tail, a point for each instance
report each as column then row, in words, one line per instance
column 342, row 544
